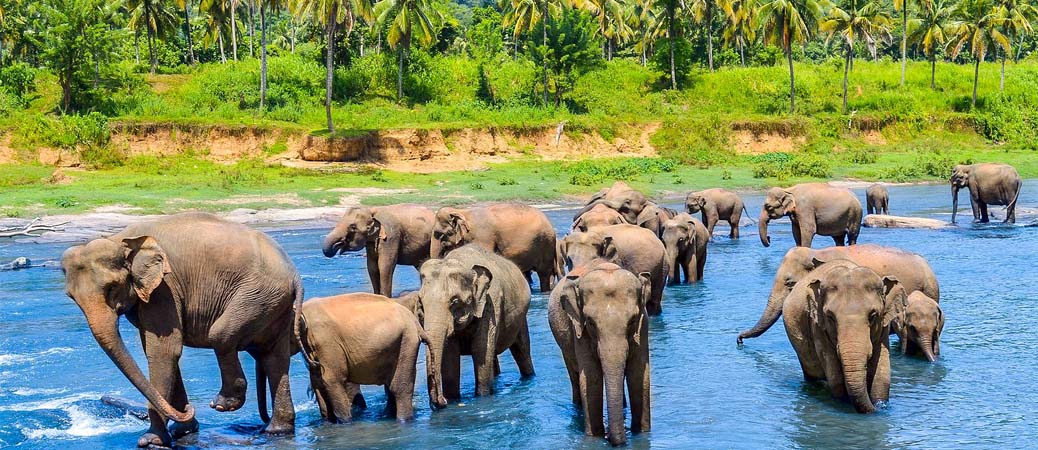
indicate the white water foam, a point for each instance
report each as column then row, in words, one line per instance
column 26, row 392
column 14, row 358
column 54, row 403
column 83, row 424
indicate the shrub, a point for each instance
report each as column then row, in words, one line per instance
column 19, row 79
column 591, row 172
column 783, row 165
column 702, row 142
column 862, row 156
column 507, row 182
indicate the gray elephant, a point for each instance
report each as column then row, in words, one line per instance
column 621, row 198
column 716, row 205
column 838, row 320
column 653, row 217
column 629, row 246
column 814, row 208
column 521, row 233
column 354, row 339
column 877, row 199
column 919, row 325
column 391, row 235
column 191, row 279
column 597, row 315
column 989, row 184
column 912, row 270
column 685, row 239
column 598, row 216
column 472, row 302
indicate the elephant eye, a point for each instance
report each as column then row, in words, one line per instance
column 454, row 301
column 873, row 315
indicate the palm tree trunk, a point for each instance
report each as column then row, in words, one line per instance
column 400, row 75
column 904, row 40
column 234, row 29
column 544, row 42
column 361, row 45
column 1002, row 80
column 263, row 56
column 292, row 35
column 151, row 36
column 742, row 54
column 709, row 35
column 187, row 32
column 792, row 83
column 670, row 35
column 329, row 69
column 976, row 75
column 252, row 30
column 846, row 66
column 933, row 72
column 137, row 46
column 223, row 56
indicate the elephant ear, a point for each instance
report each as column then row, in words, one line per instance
column 579, row 224
column 814, row 300
column 147, row 263
column 789, row 203
column 816, row 262
column 376, row 233
column 459, row 224
column 419, row 309
column 646, row 289
column 895, row 299
column 608, row 249
column 573, row 304
column 480, row 286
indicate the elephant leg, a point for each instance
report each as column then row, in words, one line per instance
column 179, row 401
column 853, row 231
column 833, row 371
column 521, row 352
column 870, row 209
column 401, row 386
column 733, row 222
column 322, row 404
column 529, row 277
column 451, row 372
column 975, row 205
column 337, row 396
column 691, row 269
column 483, row 357
column 497, row 366
column 797, row 235
column 569, row 357
column 838, row 240
column 358, row 397
column 807, row 233
column 984, row 213
column 386, row 268
column 233, row 384
column 591, row 390
column 880, row 389
column 373, row 273
column 637, row 375
column 275, row 363
column 163, row 354
column 701, row 264
column 544, row 276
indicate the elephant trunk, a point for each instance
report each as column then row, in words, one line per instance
column 333, row 242
column 433, row 364
column 955, row 201
column 855, row 374
column 672, row 258
column 436, row 249
column 771, row 314
column 762, row 227
column 926, row 346
column 104, row 324
column 613, row 369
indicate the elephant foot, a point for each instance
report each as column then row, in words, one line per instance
column 224, row 403
column 181, row 429
column 155, row 439
column 279, row 429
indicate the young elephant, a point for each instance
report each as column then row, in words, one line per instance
column 918, row 326
column 877, row 200
column 629, row 246
column 472, row 302
column 989, row 184
column 621, row 198
column 813, row 208
column 597, row 315
column 716, row 205
column 912, row 270
column 685, row 239
column 598, row 216
column 353, row 339
column 520, row 233
column 391, row 235
column 191, row 279
column 838, row 320
column 653, row 217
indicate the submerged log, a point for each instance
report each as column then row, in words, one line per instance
column 885, row 221
column 128, row 406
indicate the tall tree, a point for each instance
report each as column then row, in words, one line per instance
column 928, row 31
column 670, row 20
column 185, row 6
column 234, row 4
column 788, row 22
column 853, row 21
column 740, row 27
column 522, row 16
column 703, row 13
column 611, row 22
column 1018, row 16
column 980, row 28
column 331, row 13
column 644, row 23
column 70, row 28
column 405, row 20
column 218, row 23
column 902, row 6
column 157, row 20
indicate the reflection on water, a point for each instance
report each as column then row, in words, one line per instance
column 706, row 391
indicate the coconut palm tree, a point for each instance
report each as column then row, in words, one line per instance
column 233, row 5
column 157, row 20
column 331, row 13
column 611, row 24
column 902, row 6
column 406, row 20
column 185, row 6
column 980, row 28
column 788, row 22
column 703, row 13
column 853, row 21
column 643, row 20
column 522, row 16
column 927, row 32
column 1018, row 16
column 740, row 30
column 670, row 19
column 217, row 23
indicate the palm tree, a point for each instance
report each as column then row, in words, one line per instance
column 1018, row 17
column 185, row 5
column 703, row 12
column 234, row 4
column 611, row 24
column 217, row 23
column 854, row 20
column 670, row 19
column 157, row 20
column 644, row 23
column 902, row 6
column 740, row 28
column 788, row 22
column 979, row 27
column 522, row 16
column 407, row 19
column 331, row 13
column 928, row 31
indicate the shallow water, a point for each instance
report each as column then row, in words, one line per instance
column 706, row 391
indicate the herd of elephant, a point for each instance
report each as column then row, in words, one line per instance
column 237, row 290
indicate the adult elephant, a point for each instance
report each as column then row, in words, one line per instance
column 653, row 217
column 877, row 199
column 197, row 280
column 814, row 208
column 621, row 198
column 391, row 235
column 912, row 270
column 521, row 233
column 597, row 316
column 472, row 302
column 685, row 239
column 715, row 205
column 629, row 246
column 598, row 216
column 989, row 184
column 838, row 321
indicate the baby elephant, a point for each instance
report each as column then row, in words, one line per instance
column 597, row 315
column 360, row 338
column 717, row 205
column 685, row 239
column 877, row 200
column 918, row 325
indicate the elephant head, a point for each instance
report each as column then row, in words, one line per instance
column 620, row 198
column 798, row 262
column 449, row 232
column 851, row 307
column 778, row 203
column 598, row 216
column 453, row 295
column 679, row 235
column 579, row 249
column 606, row 305
column 694, row 203
column 357, row 228
column 107, row 278
column 921, row 322
column 960, row 178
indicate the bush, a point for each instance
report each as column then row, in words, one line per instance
column 591, row 172
column 682, row 61
column 785, row 165
column 19, row 79
column 862, row 156
column 702, row 142
column 613, row 88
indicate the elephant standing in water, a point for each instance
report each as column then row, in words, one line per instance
column 521, row 233
column 989, row 184
column 472, row 302
column 918, row 326
column 597, row 315
column 814, row 208
column 877, row 199
column 197, row 280
column 653, row 217
column 911, row 270
column 838, row 320
column 391, row 235
column 632, row 247
column 715, row 205
column 598, row 216
column 620, row 198
column 685, row 239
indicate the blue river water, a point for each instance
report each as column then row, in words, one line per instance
column 706, row 392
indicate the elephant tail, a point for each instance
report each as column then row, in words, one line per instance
column 299, row 327
column 747, row 215
column 261, row 392
column 1019, row 187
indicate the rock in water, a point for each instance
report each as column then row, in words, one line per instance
column 885, row 221
column 18, row 263
column 131, row 407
